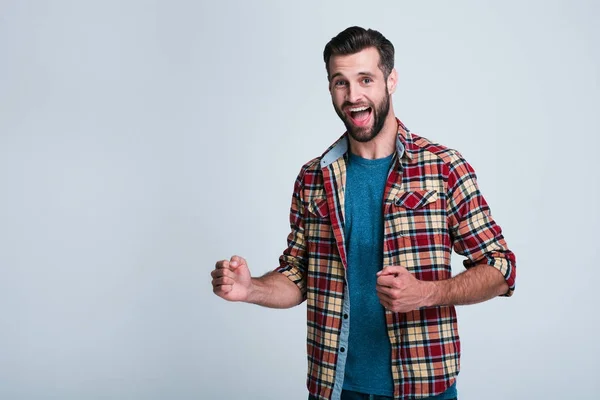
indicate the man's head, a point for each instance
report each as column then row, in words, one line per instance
column 360, row 70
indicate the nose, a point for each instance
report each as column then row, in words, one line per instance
column 354, row 93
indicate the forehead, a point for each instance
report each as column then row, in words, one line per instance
column 366, row 60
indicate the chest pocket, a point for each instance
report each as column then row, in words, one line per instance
column 320, row 240
column 317, row 223
column 318, row 208
column 419, row 216
column 416, row 199
column 417, row 231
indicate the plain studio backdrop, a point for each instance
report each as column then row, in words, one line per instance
column 142, row 141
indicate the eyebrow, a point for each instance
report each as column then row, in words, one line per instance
column 359, row 74
column 366, row 74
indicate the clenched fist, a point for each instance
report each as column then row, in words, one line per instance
column 399, row 291
column 231, row 279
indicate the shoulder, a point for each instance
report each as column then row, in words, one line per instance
column 310, row 168
column 452, row 160
column 313, row 168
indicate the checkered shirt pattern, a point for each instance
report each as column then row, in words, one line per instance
column 431, row 205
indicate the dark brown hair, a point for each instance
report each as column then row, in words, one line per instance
column 355, row 39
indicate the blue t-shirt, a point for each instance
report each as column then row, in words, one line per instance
column 368, row 364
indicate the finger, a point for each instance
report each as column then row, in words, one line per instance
column 391, row 297
column 385, row 291
column 222, row 264
column 385, row 297
column 215, row 273
column 387, row 281
column 223, row 280
column 386, row 304
column 222, row 289
column 218, row 273
column 392, row 270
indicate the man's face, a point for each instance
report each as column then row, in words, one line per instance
column 360, row 93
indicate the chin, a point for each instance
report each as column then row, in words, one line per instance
column 363, row 136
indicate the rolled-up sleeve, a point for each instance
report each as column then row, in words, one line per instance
column 474, row 232
column 293, row 261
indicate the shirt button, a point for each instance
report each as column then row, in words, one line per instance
column 345, row 316
column 343, row 349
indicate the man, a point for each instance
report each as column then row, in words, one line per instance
column 373, row 223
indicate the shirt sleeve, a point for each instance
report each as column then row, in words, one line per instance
column 474, row 232
column 293, row 261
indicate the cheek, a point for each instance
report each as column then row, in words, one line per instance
column 337, row 98
column 380, row 97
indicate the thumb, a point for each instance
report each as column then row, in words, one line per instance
column 393, row 270
column 236, row 261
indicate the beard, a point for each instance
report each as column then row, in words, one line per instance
column 365, row 134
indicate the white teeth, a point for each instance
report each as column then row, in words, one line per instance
column 359, row 109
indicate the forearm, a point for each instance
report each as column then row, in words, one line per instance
column 274, row 290
column 475, row 285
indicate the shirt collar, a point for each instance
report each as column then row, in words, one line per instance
column 404, row 146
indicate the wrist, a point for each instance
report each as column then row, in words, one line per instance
column 430, row 293
column 253, row 291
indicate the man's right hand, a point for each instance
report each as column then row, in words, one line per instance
column 232, row 280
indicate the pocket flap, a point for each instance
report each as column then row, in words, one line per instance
column 415, row 199
column 319, row 207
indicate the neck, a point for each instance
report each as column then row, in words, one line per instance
column 381, row 145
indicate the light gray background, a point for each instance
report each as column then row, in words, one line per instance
column 141, row 141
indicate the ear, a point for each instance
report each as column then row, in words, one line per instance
column 392, row 81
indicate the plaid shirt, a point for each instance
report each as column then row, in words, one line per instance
column 431, row 204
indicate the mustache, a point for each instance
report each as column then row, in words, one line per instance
column 347, row 104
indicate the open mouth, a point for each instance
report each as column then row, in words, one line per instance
column 360, row 116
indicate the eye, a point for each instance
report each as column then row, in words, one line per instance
column 367, row 80
column 340, row 83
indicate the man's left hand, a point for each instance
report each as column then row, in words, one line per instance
column 399, row 291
